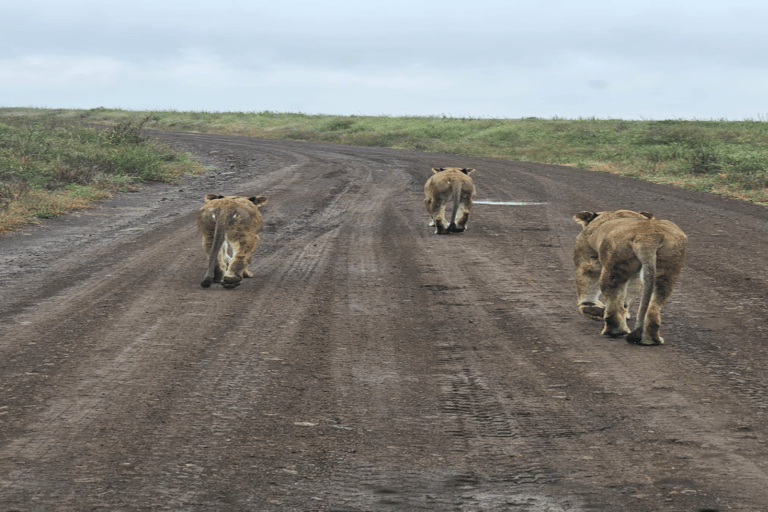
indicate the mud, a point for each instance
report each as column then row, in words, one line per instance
column 369, row 364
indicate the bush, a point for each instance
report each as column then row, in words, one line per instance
column 50, row 164
column 128, row 132
column 705, row 159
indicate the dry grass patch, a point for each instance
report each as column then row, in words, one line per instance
column 33, row 205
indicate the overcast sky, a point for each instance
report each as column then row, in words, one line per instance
column 649, row 59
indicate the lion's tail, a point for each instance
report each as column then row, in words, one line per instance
column 219, row 237
column 646, row 253
column 457, row 185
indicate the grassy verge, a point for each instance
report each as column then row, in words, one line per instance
column 716, row 156
column 51, row 164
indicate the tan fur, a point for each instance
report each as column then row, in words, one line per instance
column 617, row 255
column 230, row 228
column 446, row 184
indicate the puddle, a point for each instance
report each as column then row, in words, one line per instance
column 508, row 203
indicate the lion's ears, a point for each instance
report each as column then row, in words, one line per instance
column 441, row 169
column 584, row 218
column 258, row 201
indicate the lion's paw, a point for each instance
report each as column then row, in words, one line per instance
column 592, row 310
column 637, row 338
column 231, row 281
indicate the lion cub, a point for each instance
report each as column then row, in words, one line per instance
column 446, row 184
column 617, row 254
column 229, row 224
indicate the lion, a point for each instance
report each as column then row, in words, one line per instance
column 622, row 253
column 446, row 184
column 230, row 228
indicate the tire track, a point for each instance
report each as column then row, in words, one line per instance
column 371, row 365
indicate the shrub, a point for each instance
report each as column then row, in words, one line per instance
column 705, row 159
column 128, row 132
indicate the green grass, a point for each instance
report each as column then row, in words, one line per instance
column 51, row 164
column 717, row 156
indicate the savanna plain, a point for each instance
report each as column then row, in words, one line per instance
column 369, row 364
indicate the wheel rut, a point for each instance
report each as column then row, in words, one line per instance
column 369, row 364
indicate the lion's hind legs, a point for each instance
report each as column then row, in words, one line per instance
column 615, row 316
column 239, row 261
column 436, row 210
column 218, row 275
column 222, row 262
column 638, row 337
column 647, row 328
column 647, row 333
column 441, row 224
column 462, row 215
column 461, row 224
column 231, row 281
column 442, row 227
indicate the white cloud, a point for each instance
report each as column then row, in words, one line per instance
column 58, row 70
column 667, row 58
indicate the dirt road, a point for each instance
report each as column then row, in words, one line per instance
column 370, row 365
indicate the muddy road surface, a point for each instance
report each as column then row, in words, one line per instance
column 370, row 365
